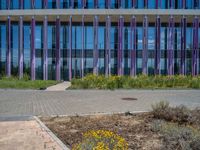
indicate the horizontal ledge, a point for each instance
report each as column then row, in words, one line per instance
column 60, row 12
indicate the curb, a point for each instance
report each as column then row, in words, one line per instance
column 54, row 137
column 97, row 113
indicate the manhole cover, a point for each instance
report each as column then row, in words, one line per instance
column 129, row 99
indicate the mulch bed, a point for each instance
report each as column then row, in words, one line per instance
column 135, row 128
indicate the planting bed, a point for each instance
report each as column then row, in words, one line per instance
column 136, row 129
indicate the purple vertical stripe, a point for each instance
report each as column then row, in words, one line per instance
column 20, row 61
column 58, row 48
column 8, row 51
column 72, row 4
column 8, row 4
column 83, row 3
column 157, row 5
column 145, row 45
column 120, row 46
column 157, row 46
column 32, row 4
column 70, row 48
column 45, row 4
column 107, row 3
column 45, row 49
column 195, row 51
column 57, row 4
column 170, row 53
column 21, row 4
column 145, row 3
column 183, row 4
column 33, row 48
column 183, row 46
column 133, row 46
column 83, row 48
column 96, row 51
column 171, row 4
column 108, row 51
column 133, row 3
column 96, row 3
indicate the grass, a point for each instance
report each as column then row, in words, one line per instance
column 138, row 82
column 25, row 83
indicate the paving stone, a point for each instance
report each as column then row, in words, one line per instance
column 71, row 102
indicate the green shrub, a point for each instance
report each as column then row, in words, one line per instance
column 141, row 81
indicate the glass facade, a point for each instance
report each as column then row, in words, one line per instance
column 90, row 4
column 67, row 48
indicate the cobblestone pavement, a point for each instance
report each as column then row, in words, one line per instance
column 71, row 102
column 25, row 135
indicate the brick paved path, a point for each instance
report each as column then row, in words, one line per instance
column 16, row 102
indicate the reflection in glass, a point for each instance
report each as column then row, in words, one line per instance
column 3, row 4
column 51, row 4
column 2, row 48
column 38, row 4
column 14, row 4
column 14, row 49
column 27, row 49
column 51, row 52
column 38, row 52
column 27, row 4
column 64, row 3
column 89, row 44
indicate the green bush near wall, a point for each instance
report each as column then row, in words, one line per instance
column 138, row 82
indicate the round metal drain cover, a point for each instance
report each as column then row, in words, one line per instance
column 129, row 99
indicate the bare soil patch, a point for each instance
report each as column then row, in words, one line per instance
column 135, row 128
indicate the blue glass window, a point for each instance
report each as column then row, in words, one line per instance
column 38, row 4
column 178, row 4
column 102, row 4
column 101, row 48
column 14, row 49
column 177, row 48
column 39, row 52
column 89, row 3
column 27, row 4
column 140, row 4
column 163, row 40
column 2, row 48
column 139, row 49
column 77, row 4
column 64, row 3
column 51, row 52
column 126, row 49
column 195, row 4
column 164, row 4
column 89, row 46
column 27, row 48
column 189, row 43
column 3, row 4
column 189, row 4
column 51, row 4
column 126, row 3
column 152, row 4
column 151, row 49
column 114, row 4
column 14, row 4
column 64, row 46
column 114, row 47
column 76, row 50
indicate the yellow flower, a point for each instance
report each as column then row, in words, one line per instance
column 101, row 140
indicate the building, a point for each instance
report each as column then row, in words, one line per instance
column 63, row 39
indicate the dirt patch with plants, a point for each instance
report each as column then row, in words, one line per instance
column 164, row 128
